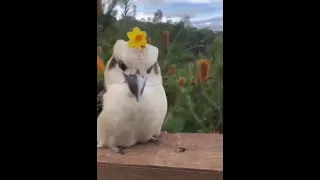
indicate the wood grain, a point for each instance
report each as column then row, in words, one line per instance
column 201, row 160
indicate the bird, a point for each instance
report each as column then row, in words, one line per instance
column 135, row 103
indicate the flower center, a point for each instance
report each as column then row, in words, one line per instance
column 138, row 37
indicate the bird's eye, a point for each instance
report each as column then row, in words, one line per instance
column 122, row 66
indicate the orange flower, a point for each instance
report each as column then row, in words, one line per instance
column 100, row 64
column 99, row 50
column 181, row 82
column 148, row 40
column 172, row 70
column 202, row 70
column 166, row 35
column 205, row 68
column 99, row 7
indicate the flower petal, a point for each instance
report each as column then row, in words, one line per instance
column 144, row 34
column 130, row 35
column 143, row 42
column 136, row 30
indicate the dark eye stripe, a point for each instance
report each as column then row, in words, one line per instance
column 112, row 64
column 154, row 67
column 122, row 66
column 149, row 70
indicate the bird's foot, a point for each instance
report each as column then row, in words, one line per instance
column 154, row 140
column 118, row 150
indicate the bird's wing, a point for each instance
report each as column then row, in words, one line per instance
column 101, row 90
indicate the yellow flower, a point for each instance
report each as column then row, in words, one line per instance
column 137, row 38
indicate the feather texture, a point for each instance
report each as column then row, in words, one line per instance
column 124, row 121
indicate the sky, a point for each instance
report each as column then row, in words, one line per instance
column 203, row 13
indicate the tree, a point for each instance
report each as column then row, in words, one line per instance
column 186, row 21
column 134, row 10
column 105, row 19
column 127, row 9
column 111, row 5
column 157, row 16
column 102, row 6
column 114, row 13
column 99, row 8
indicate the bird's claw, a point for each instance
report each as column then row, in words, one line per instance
column 154, row 140
column 120, row 151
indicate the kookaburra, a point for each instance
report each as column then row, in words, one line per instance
column 135, row 103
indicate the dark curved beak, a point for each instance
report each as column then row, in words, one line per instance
column 136, row 84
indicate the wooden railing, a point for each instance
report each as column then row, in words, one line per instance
column 201, row 160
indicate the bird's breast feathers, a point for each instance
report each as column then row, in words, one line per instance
column 152, row 105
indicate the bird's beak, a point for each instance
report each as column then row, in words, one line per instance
column 136, row 84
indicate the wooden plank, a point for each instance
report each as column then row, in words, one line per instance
column 202, row 159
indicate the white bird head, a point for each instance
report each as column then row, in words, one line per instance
column 139, row 69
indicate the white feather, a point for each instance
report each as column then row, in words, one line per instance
column 124, row 121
